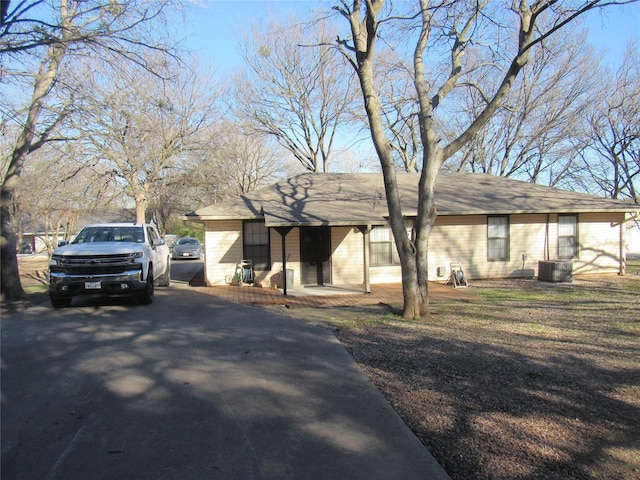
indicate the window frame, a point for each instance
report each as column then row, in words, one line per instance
column 506, row 239
column 378, row 248
column 576, row 237
column 261, row 265
column 392, row 256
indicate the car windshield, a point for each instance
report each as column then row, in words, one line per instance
column 110, row 234
column 188, row 241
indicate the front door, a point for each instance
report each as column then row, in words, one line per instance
column 315, row 252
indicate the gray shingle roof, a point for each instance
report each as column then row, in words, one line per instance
column 359, row 199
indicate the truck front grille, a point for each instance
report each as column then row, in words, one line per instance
column 96, row 265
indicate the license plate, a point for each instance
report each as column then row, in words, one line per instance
column 186, row 254
column 92, row 285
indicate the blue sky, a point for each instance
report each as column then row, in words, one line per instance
column 211, row 28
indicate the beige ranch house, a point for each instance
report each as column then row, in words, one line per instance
column 333, row 229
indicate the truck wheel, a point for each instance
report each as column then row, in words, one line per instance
column 60, row 302
column 146, row 297
column 165, row 279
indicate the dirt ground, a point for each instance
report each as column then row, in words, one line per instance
column 527, row 380
column 33, row 271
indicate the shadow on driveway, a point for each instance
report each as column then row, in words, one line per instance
column 191, row 387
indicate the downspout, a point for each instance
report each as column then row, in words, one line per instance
column 546, row 238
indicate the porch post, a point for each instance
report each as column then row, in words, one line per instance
column 283, row 231
column 366, row 229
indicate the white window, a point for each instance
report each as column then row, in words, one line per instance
column 498, row 237
column 567, row 236
column 383, row 248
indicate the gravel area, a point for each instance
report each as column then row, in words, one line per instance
column 528, row 380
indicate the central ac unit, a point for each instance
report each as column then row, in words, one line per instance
column 555, row 271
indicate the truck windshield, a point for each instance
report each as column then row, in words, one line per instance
column 110, row 234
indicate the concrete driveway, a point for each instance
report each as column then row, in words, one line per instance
column 184, row 270
column 191, row 387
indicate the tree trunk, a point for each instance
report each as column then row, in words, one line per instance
column 141, row 209
column 414, row 291
column 364, row 23
column 10, row 285
column 139, row 191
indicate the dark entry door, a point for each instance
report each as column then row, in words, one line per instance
column 315, row 252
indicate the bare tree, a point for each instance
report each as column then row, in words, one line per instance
column 295, row 90
column 227, row 159
column 529, row 137
column 611, row 148
column 247, row 158
column 47, row 36
column 141, row 124
column 437, row 30
column 57, row 188
column 399, row 108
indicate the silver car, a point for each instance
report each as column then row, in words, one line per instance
column 187, row 247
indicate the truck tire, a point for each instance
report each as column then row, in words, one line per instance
column 165, row 279
column 60, row 302
column 146, row 297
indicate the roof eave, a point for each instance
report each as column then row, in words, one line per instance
column 346, row 223
column 204, row 218
column 534, row 212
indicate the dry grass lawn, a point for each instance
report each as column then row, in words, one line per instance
column 529, row 380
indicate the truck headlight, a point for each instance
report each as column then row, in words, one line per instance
column 55, row 261
column 133, row 256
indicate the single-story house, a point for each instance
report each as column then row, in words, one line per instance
column 333, row 229
column 37, row 241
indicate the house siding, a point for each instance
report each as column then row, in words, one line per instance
column 347, row 255
column 632, row 235
column 599, row 238
column 223, row 246
column 223, row 243
column 273, row 278
column 461, row 239
column 532, row 238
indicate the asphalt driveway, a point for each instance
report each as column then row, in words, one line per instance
column 191, row 387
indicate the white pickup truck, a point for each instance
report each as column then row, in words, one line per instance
column 110, row 259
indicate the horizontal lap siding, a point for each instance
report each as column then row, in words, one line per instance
column 632, row 235
column 223, row 244
column 599, row 238
column 386, row 274
column 463, row 239
column 528, row 235
column 292, row 245
column 347, row 255
column 459, row 239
